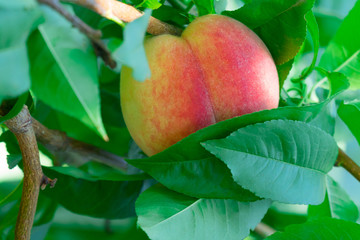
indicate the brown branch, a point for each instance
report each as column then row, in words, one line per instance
column 264, row 230
column 94, row 35
column 346, row 162
column 27, row 130
column 21, row 126
column 66, row 149
column 74, row 152
column 115, row 9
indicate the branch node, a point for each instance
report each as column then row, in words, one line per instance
column 47, row 181
column 21, row 126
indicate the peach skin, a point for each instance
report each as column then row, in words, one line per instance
column 217, row 69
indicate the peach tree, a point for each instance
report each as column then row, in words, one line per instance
column 180, row 119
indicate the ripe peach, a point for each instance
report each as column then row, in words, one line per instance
column 217, row 69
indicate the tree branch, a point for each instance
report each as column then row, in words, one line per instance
column 74, row 152
column 111, row 9
column 346, row 162
column 21, row 126
column 94, row 35
column 264, row 230
column 27, row 131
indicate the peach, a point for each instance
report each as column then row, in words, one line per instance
column 217, row 69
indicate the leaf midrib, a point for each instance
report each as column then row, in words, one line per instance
column 299, row 2
column 347, row 61
column 66, row 74
column 269, row 158
column 178, row 213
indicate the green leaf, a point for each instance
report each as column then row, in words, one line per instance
column 152, row 4
column 337, row 204
column 338, row 81
column 286, row 161
column 325, row 119
column 63, row 70
column 9, row 208
column 119, row 136
column 229, row 5
column 110, row 107
column 20, row 18
column 13, row 160
column 321, row 229
column 285, row 18
column 188, row 168
column 343, row 52
column 67, row 225
column 81, row 193
column 91, row 18
column 205, row 177
column 165, row 214
column 313, row 28
column 350, row 114
column 18, row 4
column 19, row 104
column 281, row 215
column 12, row 146
column 315, row 35
column 14, row 69
column 328, row 24
column 172, row 15
column 283, row 71
column 205, row 7
column 131, row 53
column 93, row 171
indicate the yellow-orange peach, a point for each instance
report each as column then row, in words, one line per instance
column 217, row 69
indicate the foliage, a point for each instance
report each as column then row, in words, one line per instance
column 217, row 183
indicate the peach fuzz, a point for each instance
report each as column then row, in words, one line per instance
column 217, row 69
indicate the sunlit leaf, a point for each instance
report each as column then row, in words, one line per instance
column 313, row 28
column 321, row 229
column 188, row 168
column 283, row 160
column 338, row 82
column 343, row 52
column 18, row 19
column 164, row 214
column 350, row 114
column 64, row 71
column 132, row 53
column 205, row 7
column 337, row 204
column 152, row 4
